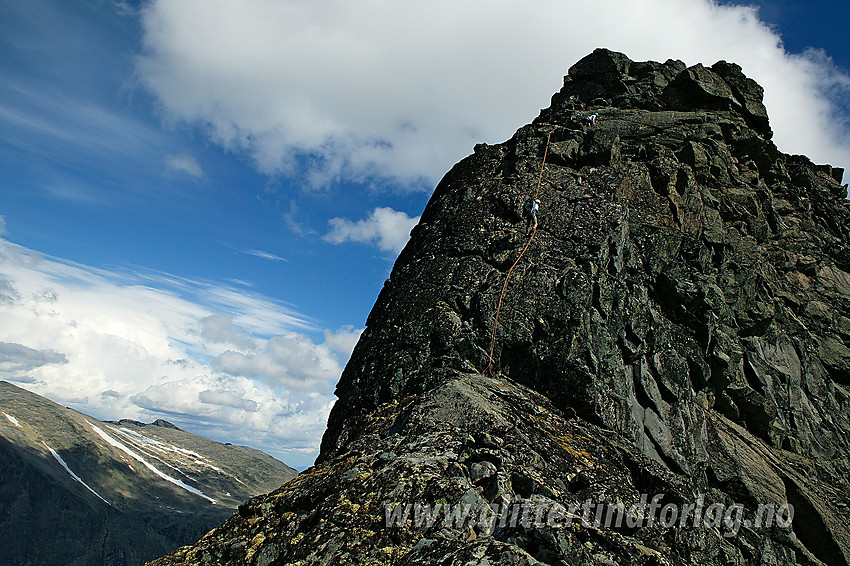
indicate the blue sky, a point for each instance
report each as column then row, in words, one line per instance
column 201, row 199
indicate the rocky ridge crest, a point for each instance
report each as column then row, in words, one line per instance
column 679, row 325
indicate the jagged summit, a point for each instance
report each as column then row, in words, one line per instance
column 609, row 79
column 679, row 325
column 649, row 194
column 158, row 422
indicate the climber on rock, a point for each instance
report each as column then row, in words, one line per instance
column 590, row 121
column 530, row 209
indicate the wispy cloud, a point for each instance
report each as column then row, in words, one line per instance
column 63, row 127
column 229, row 363
column 74, row 192
column 385, row 228
column 336, row 89
column 85, row 152
column 265, row 255
column 184, row 164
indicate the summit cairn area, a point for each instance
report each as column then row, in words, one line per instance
column 670, row 376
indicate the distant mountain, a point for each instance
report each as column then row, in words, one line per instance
column 78, row 491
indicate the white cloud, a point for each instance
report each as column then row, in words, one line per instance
column 249, row 410
column 230, row 364
column 184, row 164
column 2, row 225
column 255, row 313
column 17, row 358
column 227, row 399
column 402, row 90
column 343, row 340
column 265, row 255
column 386, row 228
column 219, row 329
column 292, row 361
column 8, row 293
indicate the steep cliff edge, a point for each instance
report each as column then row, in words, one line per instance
column 678, row 326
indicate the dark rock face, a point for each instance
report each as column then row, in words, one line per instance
column 679, row 325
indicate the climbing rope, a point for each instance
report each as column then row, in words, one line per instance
column 507, row 278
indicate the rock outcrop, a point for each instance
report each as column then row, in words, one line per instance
column 678, row 327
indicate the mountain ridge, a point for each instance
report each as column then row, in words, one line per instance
column 76, row 490
column 678, row 328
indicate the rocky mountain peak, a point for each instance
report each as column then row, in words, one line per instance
column 607, row 78
column 678, row 324
column 676, row 187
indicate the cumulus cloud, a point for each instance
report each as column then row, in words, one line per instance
column 184, row 164
column 227, row 399
column 402, row 90
column 8, row 293
column 343, row 340
column 220, row 361
column 251, row 411
column 292, row 361
column 17, row 358
column 219, row 329
column 385, row 228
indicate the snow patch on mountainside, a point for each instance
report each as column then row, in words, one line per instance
column 157, row 449
column 73, row 475
column 13, row 420
column 149, row 448
column 149, row 466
